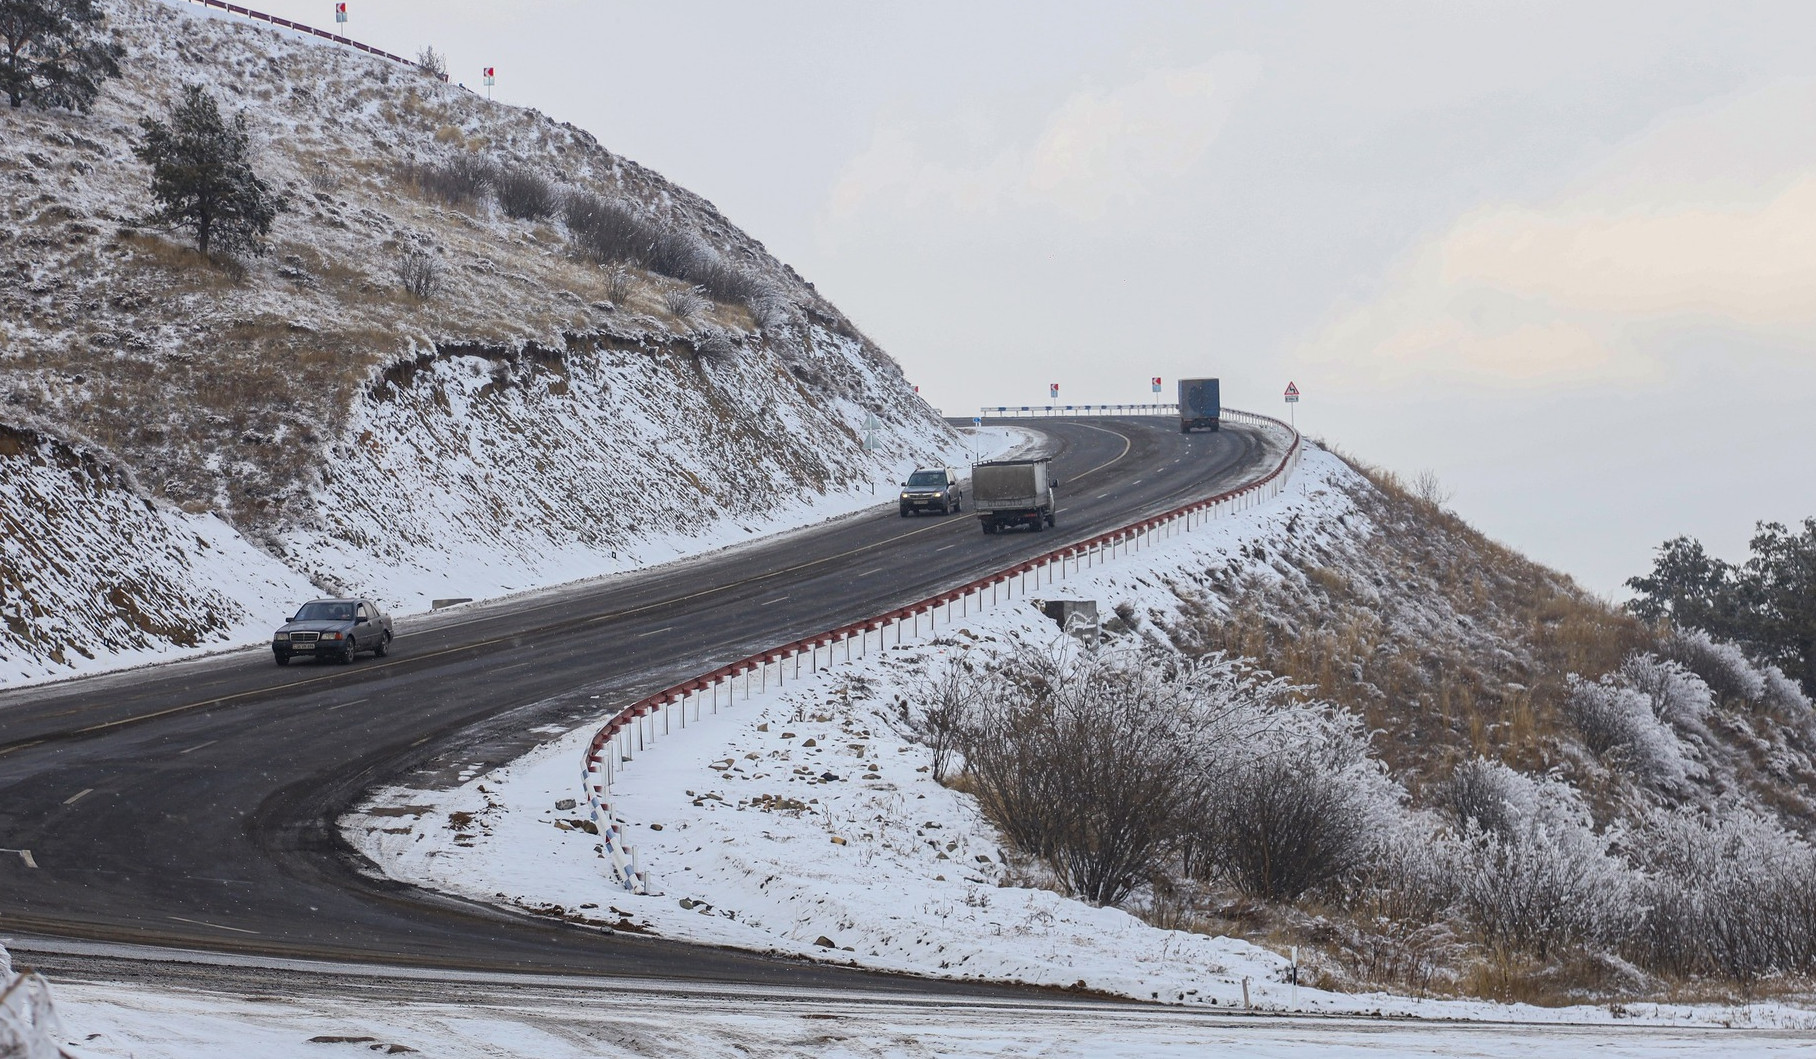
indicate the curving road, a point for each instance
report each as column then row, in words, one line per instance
column 192, row 805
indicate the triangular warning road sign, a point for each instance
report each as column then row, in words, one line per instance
column 1292, row 389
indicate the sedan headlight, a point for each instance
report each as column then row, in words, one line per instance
column 282, row 636
column 331, row 636
column 904, row 496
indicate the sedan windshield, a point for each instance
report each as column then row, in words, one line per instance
column 932, row 478
column 325, row 612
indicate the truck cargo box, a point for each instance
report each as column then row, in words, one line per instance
column 1200, row 405
column 1012, row 492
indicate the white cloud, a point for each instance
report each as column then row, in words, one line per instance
column 1099, row 153
column 1573, row 292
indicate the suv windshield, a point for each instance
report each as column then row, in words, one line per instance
column 935, row 478
column 325, row 612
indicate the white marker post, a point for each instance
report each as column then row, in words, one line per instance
column 1292, row 401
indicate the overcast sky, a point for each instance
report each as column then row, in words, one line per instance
column 1562, row 254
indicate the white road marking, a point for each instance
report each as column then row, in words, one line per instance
column 199, row 746
column 349, row 702
column 78, row 796
column 1100, row 496
column 24, row 855
column 778, row 599
column 656, row 632
column 217, row 926
column 867, row 573
column 947, row 548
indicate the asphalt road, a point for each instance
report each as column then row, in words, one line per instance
column 193, row 805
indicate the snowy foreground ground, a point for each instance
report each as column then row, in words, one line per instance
column 803, row 821
column 547, row 1020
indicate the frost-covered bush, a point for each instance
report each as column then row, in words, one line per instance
column 772, row 310
column 685, row 256
column 943, row 702
column 1677, row 695
column 28, row 1021
column 456, row 180
column 1721, row 665
column 524, row 194
column 603, row 230
column 1495, row 798
column 715, row 345
column 1094, row 761
column 1782, row 692
column 685, row 302
column 1617, row 722
column 419, row 273
column 1546, row 880
column 1728, row 892
column 1295, row 805
column 1411, row 875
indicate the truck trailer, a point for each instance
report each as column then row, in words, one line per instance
column 1012, row 493
column 1200, row 405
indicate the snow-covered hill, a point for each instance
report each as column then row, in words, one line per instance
column 541, row 417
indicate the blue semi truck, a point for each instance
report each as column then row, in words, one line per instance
column 1200, row 405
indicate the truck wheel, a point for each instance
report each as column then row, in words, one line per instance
column 1053, row 519
column 989, row 527
column 383, row 647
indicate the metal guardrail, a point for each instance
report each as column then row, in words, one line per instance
column 1009, row 411
column 631, row 730
column 260, row 16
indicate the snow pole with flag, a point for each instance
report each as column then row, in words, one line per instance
column 490, row 78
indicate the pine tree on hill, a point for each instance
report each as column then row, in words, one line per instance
column 202, row 178
column 49, row 56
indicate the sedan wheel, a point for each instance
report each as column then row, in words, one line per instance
column 384, row 646
column 283, row 659
column 346, row 658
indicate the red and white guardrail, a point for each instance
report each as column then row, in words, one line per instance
column 260, row 16
column 631, row 730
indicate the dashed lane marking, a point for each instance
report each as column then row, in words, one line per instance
column 338, row 705
column 198, row 746
column 24, row 855
column 656, row 632
column 778, row 599
column 78, row 796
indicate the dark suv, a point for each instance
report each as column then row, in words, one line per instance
column 932, row 489
column 333, row 629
